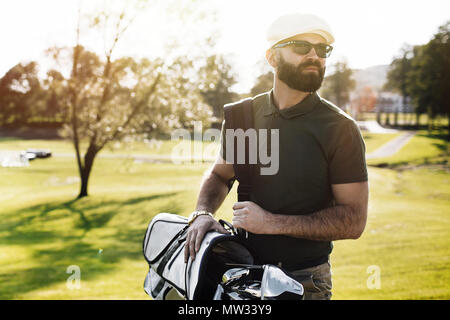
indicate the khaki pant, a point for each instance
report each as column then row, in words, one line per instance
column 316, row 281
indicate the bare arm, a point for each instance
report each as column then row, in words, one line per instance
column 214, row 186
column 346, row 220
column 213, row 191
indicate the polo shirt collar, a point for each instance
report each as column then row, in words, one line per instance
column 305, row 106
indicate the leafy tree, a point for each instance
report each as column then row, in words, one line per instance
column 216, row 79
column 337, row 86
column 111, row 100
column 20, row 92
column 115, row 100
column 422, row 73
column 55, row 91
column 416, row 82
column 263, row 83
column 397, row 76
column 429, row 79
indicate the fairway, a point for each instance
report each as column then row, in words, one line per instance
column 43, row 230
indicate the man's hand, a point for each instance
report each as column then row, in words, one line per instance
column 251, row 217
column 197, row 230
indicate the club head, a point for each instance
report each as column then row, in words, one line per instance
column 218, row 295
column 276, row 284
column 233, row 275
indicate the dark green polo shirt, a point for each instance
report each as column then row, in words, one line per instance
column 319, row 145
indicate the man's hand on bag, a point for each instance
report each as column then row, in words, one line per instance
column 196, row 232
column 251, row 217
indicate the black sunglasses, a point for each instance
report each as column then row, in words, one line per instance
column 303, row 47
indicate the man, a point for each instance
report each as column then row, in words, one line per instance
column 320, row 192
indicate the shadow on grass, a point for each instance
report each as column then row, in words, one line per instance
column 89, row 221
column 53, row 251
column 52, row 268
column 441, row 135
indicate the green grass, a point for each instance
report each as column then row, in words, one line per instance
column 407, row 237
column 425, row 147
column 43, row 230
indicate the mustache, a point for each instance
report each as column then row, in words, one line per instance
column 310, row 64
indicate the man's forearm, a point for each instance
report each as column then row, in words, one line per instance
column 212, row 193
column 335, row 223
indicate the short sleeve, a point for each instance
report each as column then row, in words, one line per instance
column 222, row 141
column 348, row 162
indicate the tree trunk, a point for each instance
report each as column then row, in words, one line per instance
column 84, row 185
column 448, row 125
column 85, row 171
column 430, row 119
column 387, row 119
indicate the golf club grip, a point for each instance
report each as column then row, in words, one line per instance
column 228, row 225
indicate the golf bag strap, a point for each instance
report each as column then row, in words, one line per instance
column 240, row 116
column 159, row 287
column 180, row 239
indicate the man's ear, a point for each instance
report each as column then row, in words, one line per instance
column 270, row 57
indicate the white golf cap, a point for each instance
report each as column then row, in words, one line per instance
column 290, row 25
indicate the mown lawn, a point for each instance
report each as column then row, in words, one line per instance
column 43, row 230
column 407, row 239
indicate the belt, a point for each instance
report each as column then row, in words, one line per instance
column 306, row 264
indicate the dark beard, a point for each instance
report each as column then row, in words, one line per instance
column 294, row 77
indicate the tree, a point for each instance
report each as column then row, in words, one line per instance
column 55, row 91
column 429, row 79
column 416, row 82
column 101, row 107
column 263, row 83
column 397, row 76
column 337, row 86
column 422, row 73
column 116, row 99
column 20, row 94
column 216, row 79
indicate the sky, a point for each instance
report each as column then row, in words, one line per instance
column 367, row 32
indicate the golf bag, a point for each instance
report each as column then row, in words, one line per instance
column 196, row 280
column 223, row 269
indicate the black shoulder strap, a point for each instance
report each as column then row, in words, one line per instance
column 240, row 116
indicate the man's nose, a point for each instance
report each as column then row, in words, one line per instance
column 312, row 53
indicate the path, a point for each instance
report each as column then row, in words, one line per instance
column 392, row 146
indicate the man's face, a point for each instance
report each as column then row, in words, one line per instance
column 301, row 72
